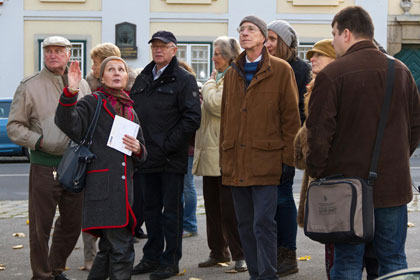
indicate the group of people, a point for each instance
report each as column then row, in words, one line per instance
column 263, row 112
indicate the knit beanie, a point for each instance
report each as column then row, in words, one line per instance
column 324, row 47
column 108, row 59
column 258, row 22
column 285, row 31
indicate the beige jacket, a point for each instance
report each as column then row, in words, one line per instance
column 33, row 110
column 206, row 152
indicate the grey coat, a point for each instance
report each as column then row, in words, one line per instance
column 108, row 194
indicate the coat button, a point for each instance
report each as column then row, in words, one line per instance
column 242, row 145
column 161, row 82
column 123, row 163
column 123, row 177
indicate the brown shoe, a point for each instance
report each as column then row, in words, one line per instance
column 289, row 263
column 212, row 262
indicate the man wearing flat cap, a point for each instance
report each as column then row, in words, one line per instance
column 31, row 124
column 259, row 121
column 166, row 98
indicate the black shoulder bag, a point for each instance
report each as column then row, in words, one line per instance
column 72, row 168
column 340, row 209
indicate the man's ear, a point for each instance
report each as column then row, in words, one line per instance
column 347, row 35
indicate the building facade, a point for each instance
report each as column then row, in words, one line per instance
column 196, row 23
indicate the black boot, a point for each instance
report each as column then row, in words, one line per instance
column 289, row 263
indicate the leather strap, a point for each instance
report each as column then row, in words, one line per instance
column 382, row 121
column 92, row 125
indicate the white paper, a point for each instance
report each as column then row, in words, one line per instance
column 120, row 127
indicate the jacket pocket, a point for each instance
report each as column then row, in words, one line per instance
column 267, row 157
column 228, row 157
column 97, row 184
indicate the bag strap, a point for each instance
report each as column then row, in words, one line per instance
column 382, row 121
column 92, row 125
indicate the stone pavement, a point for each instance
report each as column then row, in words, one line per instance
column 13, row 217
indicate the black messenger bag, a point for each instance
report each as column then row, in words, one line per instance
column 340, row 209
column 72, row 168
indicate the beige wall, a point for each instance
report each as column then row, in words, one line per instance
column 193, row 29
column 216, row 6
column 316, row 7
column 395, row 9
column 92, row 5
column 313, row 31
column 34, row 29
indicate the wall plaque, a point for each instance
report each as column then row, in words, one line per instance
column 125, row 39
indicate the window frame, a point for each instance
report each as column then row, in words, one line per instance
column 305, row 45
column 84, row 56
column 188, row 54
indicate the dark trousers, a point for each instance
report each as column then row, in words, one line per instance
column 163, row 213
column 115, row 257
column 222, row 226
column 255, row 208
column 45, row 194
column 138, row 203
column 286, row 214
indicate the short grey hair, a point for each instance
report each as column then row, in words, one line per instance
column 228, row 46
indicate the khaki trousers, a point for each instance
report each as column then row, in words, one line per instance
column 45, row 194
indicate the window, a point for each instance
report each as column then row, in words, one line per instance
column 303, row 48
column 78, row 52
column 198, row 55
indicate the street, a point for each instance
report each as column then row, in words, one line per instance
column 13, row 216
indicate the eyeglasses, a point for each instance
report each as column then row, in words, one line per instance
column 162, row 47
column 250, row 28
column 218, row 54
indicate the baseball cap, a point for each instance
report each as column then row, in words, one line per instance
column 164, row 36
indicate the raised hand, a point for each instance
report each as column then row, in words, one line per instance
column 74, row 75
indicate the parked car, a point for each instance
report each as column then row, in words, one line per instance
column 7, row 147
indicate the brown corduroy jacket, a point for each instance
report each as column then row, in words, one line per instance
column 258, row 122
column 344, row 111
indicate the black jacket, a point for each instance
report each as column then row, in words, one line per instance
column 302, row 72
column 170, row 113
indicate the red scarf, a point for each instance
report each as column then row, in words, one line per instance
column 120, row 101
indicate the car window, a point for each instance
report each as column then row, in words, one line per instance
column 4, row 109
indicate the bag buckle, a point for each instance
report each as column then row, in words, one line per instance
column 372, row 178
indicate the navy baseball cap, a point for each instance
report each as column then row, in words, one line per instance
column 164, row 36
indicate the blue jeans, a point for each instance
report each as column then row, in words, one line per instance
column 190, row 199
column 255, row 208
column 286, row 214
column 389, row 243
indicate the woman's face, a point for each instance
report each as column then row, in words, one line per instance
column 220, row 63
column 319, row 61
column 96, row 66
column 115, row 75
column 271, row 42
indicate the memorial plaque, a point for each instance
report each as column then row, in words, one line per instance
column 125, row 39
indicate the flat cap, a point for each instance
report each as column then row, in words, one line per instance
column 164, row 36
column 56, row 41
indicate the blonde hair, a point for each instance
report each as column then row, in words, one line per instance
column 228, row 46
column 105, row 50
